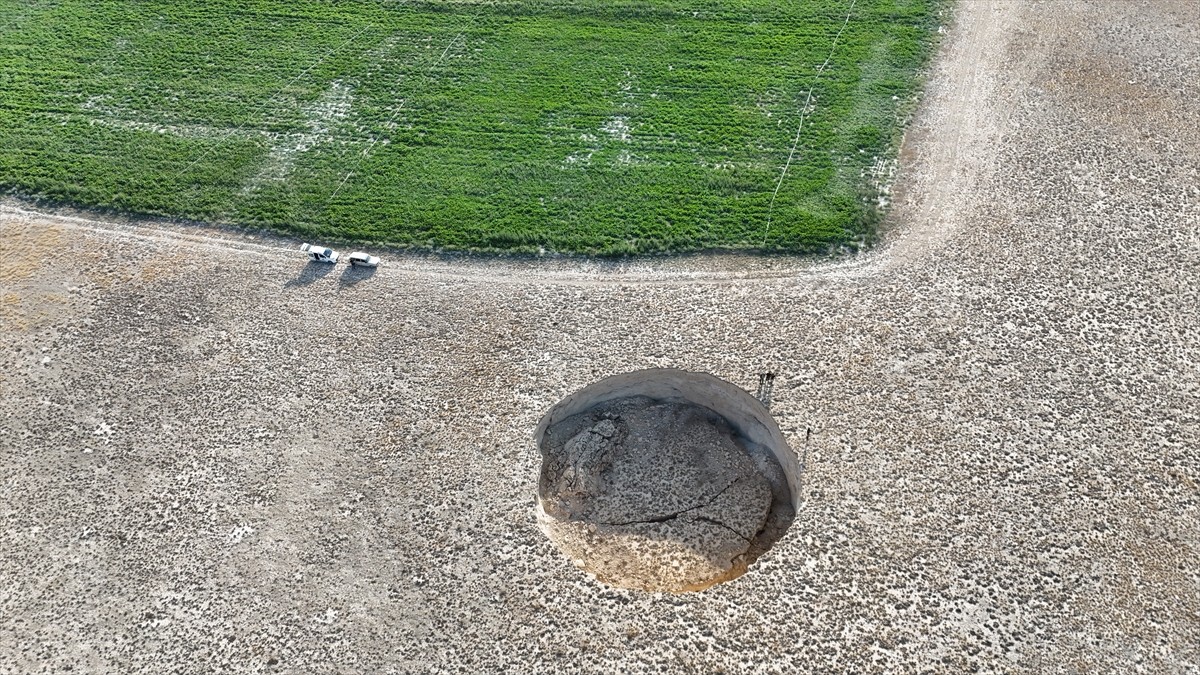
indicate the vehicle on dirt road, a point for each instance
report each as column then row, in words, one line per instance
column 320, row 253
column 360, row 259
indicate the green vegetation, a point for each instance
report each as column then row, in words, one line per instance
column 595, row 126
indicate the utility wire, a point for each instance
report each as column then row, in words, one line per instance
column 805, row 112
column 262, row 107
column 366, row 153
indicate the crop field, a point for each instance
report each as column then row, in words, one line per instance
column 585, row 126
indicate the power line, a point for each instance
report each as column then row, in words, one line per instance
column 262, row 107
column 367, row 152
column 805, row 112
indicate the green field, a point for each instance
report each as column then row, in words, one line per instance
column 587, row 126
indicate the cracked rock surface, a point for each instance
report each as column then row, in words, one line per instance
column 652, row 495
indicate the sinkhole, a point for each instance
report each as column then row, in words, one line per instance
column 664, row 480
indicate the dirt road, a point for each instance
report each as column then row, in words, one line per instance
column 215, row 458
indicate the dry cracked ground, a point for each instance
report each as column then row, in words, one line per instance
column 215, row 459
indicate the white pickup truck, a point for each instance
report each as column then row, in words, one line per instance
column 320, row 253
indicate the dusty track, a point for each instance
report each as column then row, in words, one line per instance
column 232, row 462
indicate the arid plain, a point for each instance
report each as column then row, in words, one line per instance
column 214, row 458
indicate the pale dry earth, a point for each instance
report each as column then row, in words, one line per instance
column 215, row 459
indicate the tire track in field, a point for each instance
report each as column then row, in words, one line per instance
column 951, row 141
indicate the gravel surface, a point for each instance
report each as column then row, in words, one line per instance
column 213, row 457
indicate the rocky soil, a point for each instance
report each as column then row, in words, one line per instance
column 216, row 458
column 653, row 495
